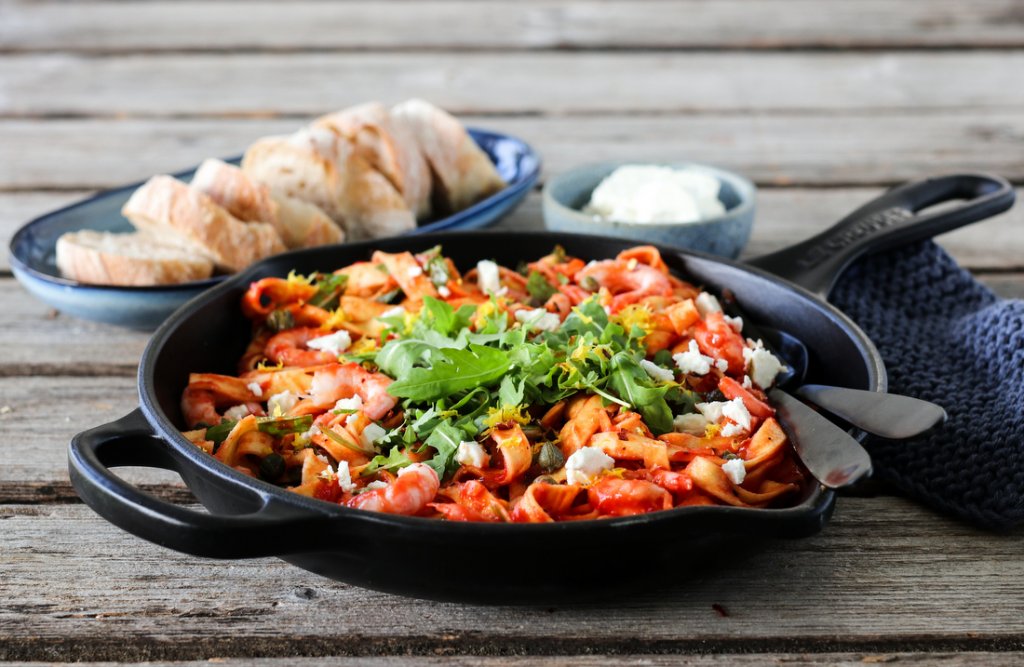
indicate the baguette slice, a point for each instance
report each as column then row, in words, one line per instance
column 133, row 259
column 323, row 168
column 299, row 224
column 389, row 147
column 304, row 225
column 243, row 198
column 303, row 166
column 463, row 174
column 179, row 215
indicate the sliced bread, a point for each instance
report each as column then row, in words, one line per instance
column 463, row 173
column 390, row 148
column 322, row 167
column 179, row 215
column 299, row 224
column 134, row 259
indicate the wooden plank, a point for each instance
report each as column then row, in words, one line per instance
column 38, row 340
column 960, row 659
column 785, row 216
column 36, row 436
column 1006, row 285
column 521, row 83
column 780, row 150
column 891, row 576
column 111, row 27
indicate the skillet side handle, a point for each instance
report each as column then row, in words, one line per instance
column 130, row 441
column 887, row 222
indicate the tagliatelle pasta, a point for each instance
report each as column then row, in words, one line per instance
column 565, row 390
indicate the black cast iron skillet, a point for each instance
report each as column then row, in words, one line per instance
column 486, row 562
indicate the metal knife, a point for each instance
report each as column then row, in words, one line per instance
column 889, row 416
column 831, row 454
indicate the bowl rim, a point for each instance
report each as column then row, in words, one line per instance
column 745, row 188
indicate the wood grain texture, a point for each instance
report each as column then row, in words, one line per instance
column 959, row 659
column 892, row 577
column 38, row 340
column 495, row 83
column 110, row 27
column 33, row 466
column 779, row 150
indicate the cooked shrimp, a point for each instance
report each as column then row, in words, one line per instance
column 627, row 280
column 207, row 392
column 415, row 486
column 289, row 348
column 347, row 380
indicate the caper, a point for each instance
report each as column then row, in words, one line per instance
column 550, row 457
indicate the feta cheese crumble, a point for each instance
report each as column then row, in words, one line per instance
column 279, row 404
column 735, row 470
column 345, row 477
column 487, row 276
column 692, row 361
column 737, row 412
column 539, row 319
column 707, row 303
column 444, row 291
column 762, row 366
column 470, row 453
column 735, row 322
column 694, row 423
column 354, row 403
column 586, row 464
column 393, row 312
column 711, row 411
column 255, row 388
column 656, row 372
column 371, row 434
column 334, row 343
column 414, row 271
column 237, row 412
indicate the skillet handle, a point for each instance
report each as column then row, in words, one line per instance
column 887, row 222
column 269, row 530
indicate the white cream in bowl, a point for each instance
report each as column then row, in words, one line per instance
column 638, row 193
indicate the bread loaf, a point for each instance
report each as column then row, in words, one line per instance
column 320, row 166
column 390, row 148
column 463, row 173
column 179, row 215
column 299, row 224
column 134, row 259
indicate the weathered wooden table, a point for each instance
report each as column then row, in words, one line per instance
column 823, row 104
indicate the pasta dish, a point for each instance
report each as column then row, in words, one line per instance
column 557, row 390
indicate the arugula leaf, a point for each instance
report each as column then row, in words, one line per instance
column 329, row 288
column 509, row 393
column 445, row 441
column 452, row 371
column 439, row 315
column 629, row 380
column 400, row 355
column 394, row 459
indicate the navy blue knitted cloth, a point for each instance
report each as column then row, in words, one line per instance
column 947, row 339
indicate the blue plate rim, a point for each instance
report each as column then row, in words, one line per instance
column 525, row 181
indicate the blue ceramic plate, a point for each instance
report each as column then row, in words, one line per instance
column 32, row 251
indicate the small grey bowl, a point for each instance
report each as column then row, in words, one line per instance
column 566, row 194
